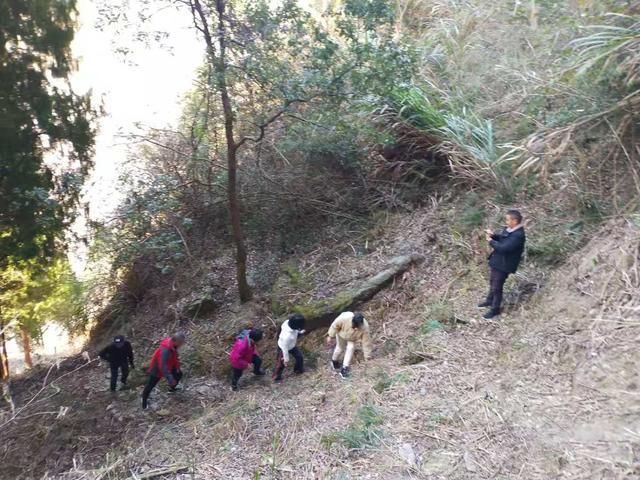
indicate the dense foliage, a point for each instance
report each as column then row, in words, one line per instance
column 268, row 68
column 338, row 109
column 46, row 137
column 38, row 113
column 32, row 297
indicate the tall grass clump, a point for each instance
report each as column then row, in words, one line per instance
column 430, row 121
column 615, row 46
column 473, row 134
column 415, row 107
column 364, row 432
column 607, row 59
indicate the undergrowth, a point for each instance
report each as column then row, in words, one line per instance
column 436, row 316
column 386, row 381
column 364, row 432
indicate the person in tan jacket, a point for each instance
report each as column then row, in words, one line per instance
column 348, row 328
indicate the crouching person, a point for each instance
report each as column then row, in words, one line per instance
column 348, row 328
column 289, row 332
column 165, row 363
column 245, row 352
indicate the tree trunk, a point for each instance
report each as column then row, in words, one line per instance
column 236, row 225
column 26, row 347
column 5, row 390
column 232, row 161
column 219, row 64
column 4, row 358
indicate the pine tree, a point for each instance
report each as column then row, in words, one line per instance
column 39, row 112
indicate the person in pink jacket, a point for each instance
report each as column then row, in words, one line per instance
column 243, row 353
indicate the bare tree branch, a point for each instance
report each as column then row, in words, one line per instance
column 263, row 127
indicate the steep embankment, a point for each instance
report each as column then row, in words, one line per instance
column 547, row 391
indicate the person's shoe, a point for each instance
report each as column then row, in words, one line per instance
column 145, row 406
column 277, row 379
column 260, row 372
column 298, row 372
column 336, row 364
column 344, row 372
column 234, row 387
column 491, row 314
column 484, row 304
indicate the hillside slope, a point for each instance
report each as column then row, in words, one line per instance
column 547, row 391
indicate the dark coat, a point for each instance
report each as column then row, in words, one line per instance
column 507, row 250
column 118, row 355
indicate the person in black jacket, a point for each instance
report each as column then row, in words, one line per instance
column 119, row 354
column 508, row 246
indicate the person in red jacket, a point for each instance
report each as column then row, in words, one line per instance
column 243, row 353
column 165, row 363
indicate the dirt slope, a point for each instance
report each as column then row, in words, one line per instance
column 548, row 391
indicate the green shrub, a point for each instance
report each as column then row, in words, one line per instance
column 277, row 307
column 386, row 381
column 550, row 250
column 297, row 279
column 553, row 248
column 431, row 326
column 362, row 433
column 472, row 217
column 417, row 108
column 436, row 419
column 437, row 315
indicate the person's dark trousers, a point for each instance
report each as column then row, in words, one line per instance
column 496, row 286
column 114, row 374
column 299, row 365
column 177, row 375
column 151, row 384
column 235, row 376
column 257, row 363
column 237, row 372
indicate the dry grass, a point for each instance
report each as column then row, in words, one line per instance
column 517, row 398
column 549, row 390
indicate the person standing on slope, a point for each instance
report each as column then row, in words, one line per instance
column 165, row 363
column 508, row 246
column 348, row 328
column 289, row 332
column 119, row 355
column 243, row 353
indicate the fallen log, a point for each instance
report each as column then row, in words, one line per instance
column 320, row 314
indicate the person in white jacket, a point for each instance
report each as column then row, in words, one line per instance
column 287, row 348
column 347, row 329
